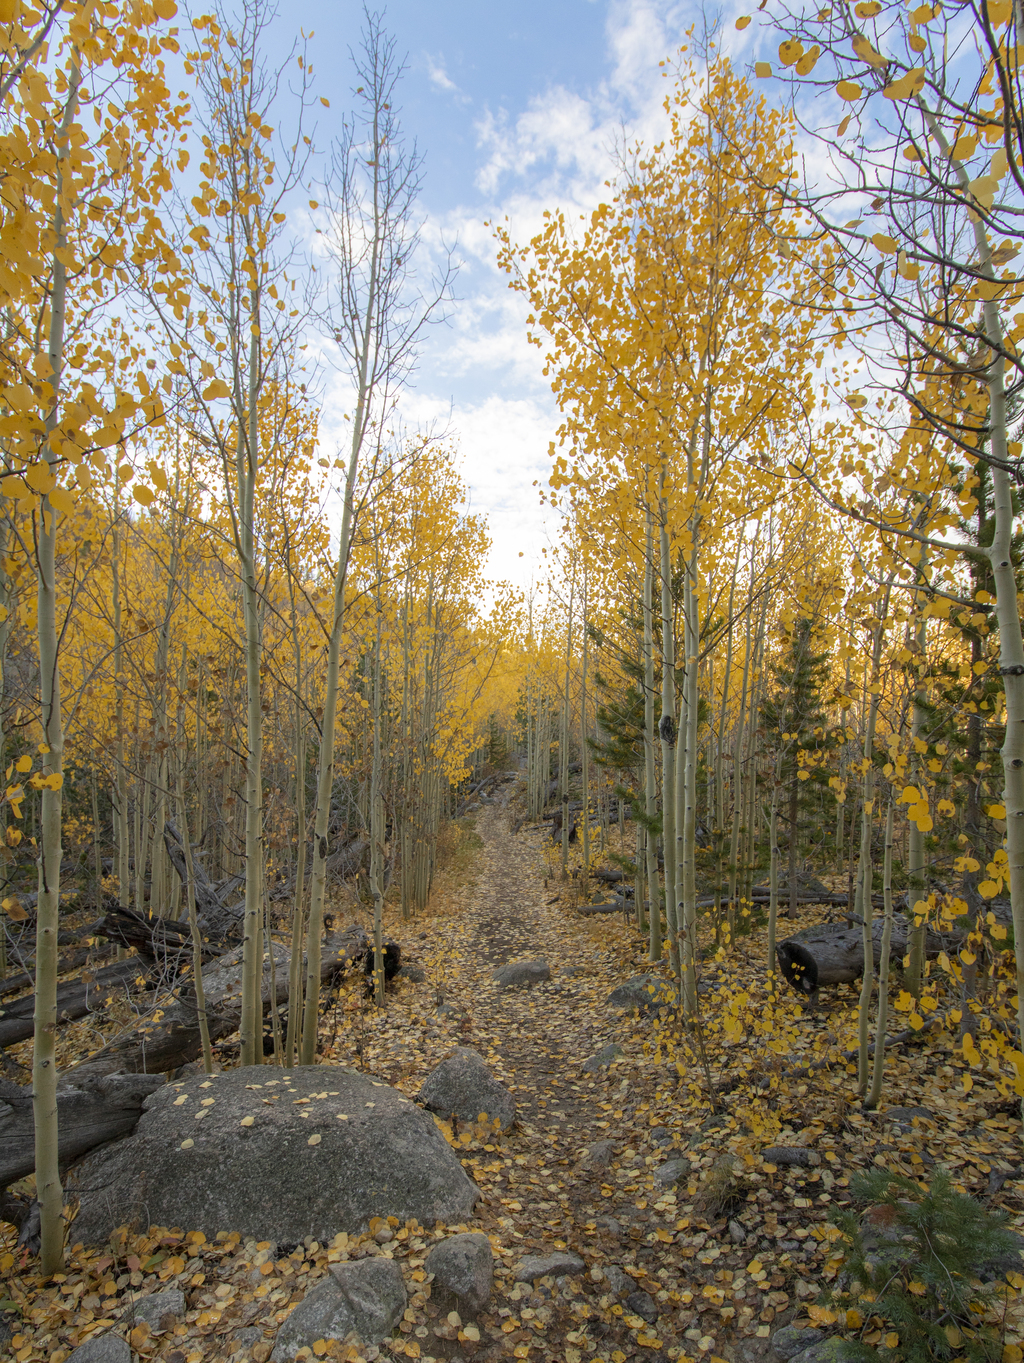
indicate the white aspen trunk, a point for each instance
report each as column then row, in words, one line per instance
column 863, row 902
column 878, row 1067
column 563, row 742
column 194, row 933
column 668, row 732
column 298, row 898
column 585, row 757
column 773, row 886
column 915, row 838
column 650, row 772
column 737, row 757
column 377, row 833
column 49, row 1192
column 251, row 1028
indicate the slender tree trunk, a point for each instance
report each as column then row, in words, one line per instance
column 878, row 1067
column 668, row 731
column 44, row 1055
column 650, row 772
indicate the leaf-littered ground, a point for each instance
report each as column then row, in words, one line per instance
column 722, row 1257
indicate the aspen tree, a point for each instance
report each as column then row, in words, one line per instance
column 934, row 100
column 377, row 324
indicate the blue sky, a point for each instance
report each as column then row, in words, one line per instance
column 516, row 108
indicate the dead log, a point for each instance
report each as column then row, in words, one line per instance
column 75, row 999
column 832, row 953
column 13, row 984
column 216, row 920
column 89, row 1114
column 170, row 1036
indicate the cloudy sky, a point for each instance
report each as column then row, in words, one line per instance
column 516, row 108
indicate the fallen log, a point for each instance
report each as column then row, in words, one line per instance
column 831, row 953
column 216, row 920
column 75, row 999
column 13, row 984
column 169, row 1037
column 90, row 1114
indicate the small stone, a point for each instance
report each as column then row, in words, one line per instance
column 384, row 1235
column 737, row 1234
column 660, row 1135
column 791, row 1340
column 463, row 1269
column 244, row 1339
column 463, row 1084
column 414, row 973
column 671, row 1172
column 102, row 1349
column 797, row 1156
column 603, row 1058
column 830, row 1350
column 155, row 1307
column 610, row 1225
column 642, row 1304
column 365, row 1298
column 597, row 1156
column 618, row 1282
column 558, row 1265
column 649, row 993
column 522, row 972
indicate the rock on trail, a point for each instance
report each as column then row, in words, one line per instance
column 274, row 1154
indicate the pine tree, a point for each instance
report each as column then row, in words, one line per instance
column 795, row 728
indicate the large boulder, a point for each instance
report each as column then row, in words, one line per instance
column 366, row 1298
column 275, row 1155
column 463, row 1084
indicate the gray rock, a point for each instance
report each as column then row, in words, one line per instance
column 642, row 1304
column 597, row 1156
column 102, row 1349
column 618, row 1282
column 904, row 1116
column 737, row 1234
column 609, row 1224
column 793, row 1155
column 385, row 1158
column 558, row 1265
column 244, row 1339
column 463, row 1084
column 790, row 1340
column 603, row 1058
column 649, row 993
column 660, row 1135
column 366, row 1298
column 671, row 1172
column 522, row 972
column 415, row 973
column 463, row 1269
column 153, row 1308
column 825, row 1351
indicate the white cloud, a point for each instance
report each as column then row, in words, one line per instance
column 440, row 78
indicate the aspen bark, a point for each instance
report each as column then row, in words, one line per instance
column 44, row 1056
column 668, row 732
column 650, row 773
column 878, row 1067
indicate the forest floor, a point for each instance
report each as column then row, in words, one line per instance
column 720, row 1258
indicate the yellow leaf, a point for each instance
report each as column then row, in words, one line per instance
column 916, row 1021
column 988, row 889
column 867, row 10
column 891, row 1339
column 887, row 245
column 743, row 21
column 964, row 147
column 867, row 53
column 247, row 1121
column 24, row 763
column 790, row 51
column 314, row 1140
column 762, row 69
column 61, row 500
column 217, row 389
column 996, row 811
column 165, row 9
column 907, row 86
column 142, row 494
column 39, row 478
column 854, row 1319
column 848, row 90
